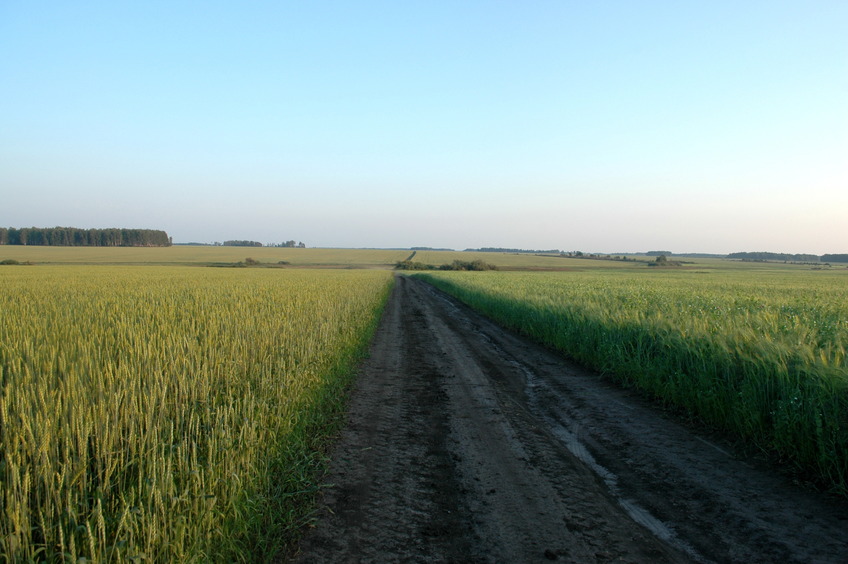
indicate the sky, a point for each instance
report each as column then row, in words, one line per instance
column 601, row 126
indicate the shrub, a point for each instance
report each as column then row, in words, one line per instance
column 413, row 265
column 478, row 265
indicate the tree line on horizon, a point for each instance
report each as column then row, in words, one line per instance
column 786, row 257
column 841, row 257
column 75, row 237
column 749, row 256
column 506, row 250
column 245, row 243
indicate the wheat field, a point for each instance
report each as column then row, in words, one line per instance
column 169, row 414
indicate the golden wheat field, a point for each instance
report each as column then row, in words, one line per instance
column 202, row 255
column 169, row 414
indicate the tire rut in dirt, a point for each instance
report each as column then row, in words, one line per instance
column 466, row 443
column 394, row 495
column 532, row 500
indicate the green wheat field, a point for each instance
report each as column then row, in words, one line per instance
column 758, row 352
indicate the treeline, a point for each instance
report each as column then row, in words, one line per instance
column 73, row 237
column 774, row 256
column 289, row 245
column 504, row 250
column 761, row 256
column 242, row 244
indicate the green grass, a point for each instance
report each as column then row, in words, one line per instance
column 758, row 352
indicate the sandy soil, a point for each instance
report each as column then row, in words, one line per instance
column 466, row 443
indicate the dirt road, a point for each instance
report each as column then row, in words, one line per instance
column 466, row 443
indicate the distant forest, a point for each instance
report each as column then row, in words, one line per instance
column 760, row 256
column 239, row 243
column 73, row 237
column 505, row 250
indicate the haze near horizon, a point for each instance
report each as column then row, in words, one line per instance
column 616, row 126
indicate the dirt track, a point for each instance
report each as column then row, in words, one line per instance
column 465, row 443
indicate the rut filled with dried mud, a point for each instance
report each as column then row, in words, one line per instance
column 467, row 443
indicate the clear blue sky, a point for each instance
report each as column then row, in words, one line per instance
column 609, row 126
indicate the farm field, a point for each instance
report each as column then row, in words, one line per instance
column 202, row 255
column 634, row 263
column 760, row 352
column 170, row 414
column 524, row 261
column 155, row 409
column 199, row 255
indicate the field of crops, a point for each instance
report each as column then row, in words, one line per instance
column 202, row 255
column 176, row 413
column 758, row 352
column 169, row 414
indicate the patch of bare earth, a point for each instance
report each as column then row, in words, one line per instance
column 466, row 443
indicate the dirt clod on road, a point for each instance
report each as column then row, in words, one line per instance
column 466, row 443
